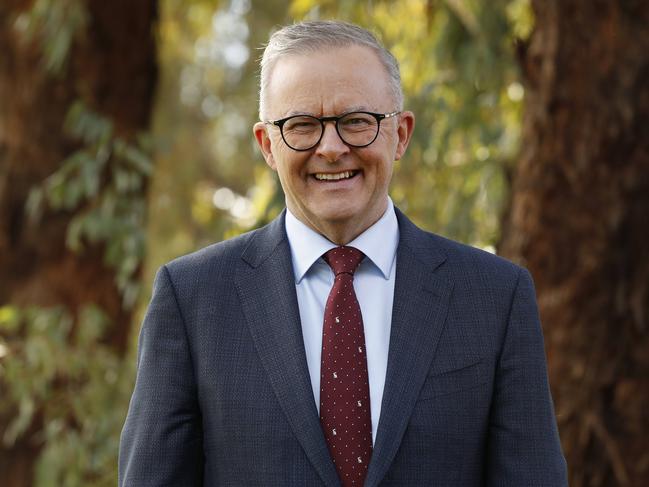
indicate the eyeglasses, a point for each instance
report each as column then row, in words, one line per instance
column 356, row 129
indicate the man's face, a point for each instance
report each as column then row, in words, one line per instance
column 325, row 83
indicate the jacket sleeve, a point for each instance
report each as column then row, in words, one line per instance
column 161, row 442
column 523, row 446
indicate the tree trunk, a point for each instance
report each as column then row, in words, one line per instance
column 579, row 219
column 111, row 68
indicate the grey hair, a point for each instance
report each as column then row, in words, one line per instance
column 312, row 36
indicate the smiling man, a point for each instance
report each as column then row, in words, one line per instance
column 340, row 344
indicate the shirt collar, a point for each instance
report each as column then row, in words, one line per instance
column 379, row 243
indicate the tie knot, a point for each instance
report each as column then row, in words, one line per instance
column 343, row 259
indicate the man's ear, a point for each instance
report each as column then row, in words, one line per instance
column 404, row 131
column 263, row 141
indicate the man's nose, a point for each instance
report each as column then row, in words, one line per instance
column 331, row 146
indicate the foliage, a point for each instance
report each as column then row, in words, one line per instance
column 55, row 368
column 102, row 183
column 63, row 386
column 54, row 24
column 57, row 372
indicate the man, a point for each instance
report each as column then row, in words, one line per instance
column 339, row 345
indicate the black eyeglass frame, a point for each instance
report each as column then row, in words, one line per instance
column 378, row 116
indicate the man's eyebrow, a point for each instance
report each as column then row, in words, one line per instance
column 300, row 112
column 355, row 108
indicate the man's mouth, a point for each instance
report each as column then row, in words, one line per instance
column 325, row 176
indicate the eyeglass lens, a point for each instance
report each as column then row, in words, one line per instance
column 356, row 129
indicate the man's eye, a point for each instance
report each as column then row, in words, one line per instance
column 357, row 122
column 301, row 124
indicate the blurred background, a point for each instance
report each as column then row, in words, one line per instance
column 125, row 141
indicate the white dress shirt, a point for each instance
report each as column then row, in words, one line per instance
column 374, row 286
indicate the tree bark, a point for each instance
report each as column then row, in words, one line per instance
column 111, row 67
column 578, row 219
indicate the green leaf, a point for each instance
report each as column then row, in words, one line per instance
column 74, row 235
column 34, row 204
column 10, row 319
column 139, row 160
column 21, row 422
column 91, row 327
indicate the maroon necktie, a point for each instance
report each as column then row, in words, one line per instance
column 344, row 388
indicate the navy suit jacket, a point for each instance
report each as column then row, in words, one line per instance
column 223, row 395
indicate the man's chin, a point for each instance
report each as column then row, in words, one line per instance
column 340, row 216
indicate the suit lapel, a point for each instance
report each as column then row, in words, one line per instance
column 418, row 316
column 266, row 286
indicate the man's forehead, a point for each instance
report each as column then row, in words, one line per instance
column 335, row 55
column 329, row 81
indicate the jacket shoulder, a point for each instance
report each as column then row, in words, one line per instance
column 470, row 258
column 456, row 257
column 224, row 251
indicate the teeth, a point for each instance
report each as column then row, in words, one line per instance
column 334, row 177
